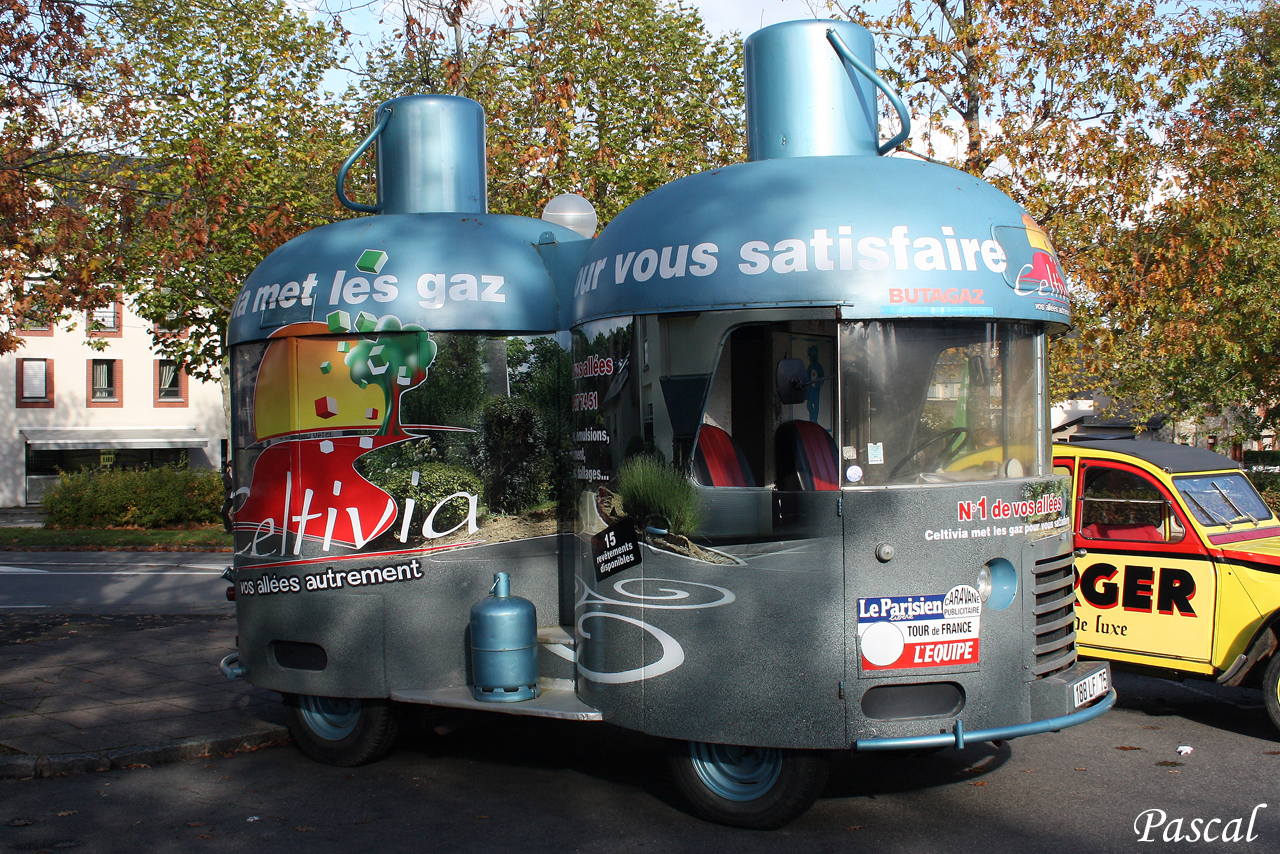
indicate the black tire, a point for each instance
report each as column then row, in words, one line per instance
column 1271, row 689
column 342, row 732
column 762, row 788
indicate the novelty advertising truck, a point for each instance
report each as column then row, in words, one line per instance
column 763, row 469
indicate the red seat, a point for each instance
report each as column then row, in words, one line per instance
column 718, row 461
column 1138, row 533
column 806, row 457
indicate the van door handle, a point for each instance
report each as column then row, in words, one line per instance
column 1081, row 552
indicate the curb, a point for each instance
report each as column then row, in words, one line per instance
column 62, row 764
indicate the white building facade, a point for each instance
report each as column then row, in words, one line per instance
column 71, row 406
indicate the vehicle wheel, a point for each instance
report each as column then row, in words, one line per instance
column 757, row 787
column 338, row 731
column 1271, row 689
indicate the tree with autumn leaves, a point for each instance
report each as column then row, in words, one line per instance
column 1180, row 313
column 1141, row 136
column 168, row 149
column 62, row 211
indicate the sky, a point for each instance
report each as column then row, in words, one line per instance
column 747, row 16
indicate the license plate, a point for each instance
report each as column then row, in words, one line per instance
column 1090, row 688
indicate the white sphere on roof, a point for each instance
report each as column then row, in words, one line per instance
column 572, row 211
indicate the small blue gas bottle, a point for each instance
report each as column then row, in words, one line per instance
column 504, row 645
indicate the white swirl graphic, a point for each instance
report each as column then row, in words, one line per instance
column 672, row 653
column 653, row 600
column 664, row 599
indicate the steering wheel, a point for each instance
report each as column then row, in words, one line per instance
column 954, row 439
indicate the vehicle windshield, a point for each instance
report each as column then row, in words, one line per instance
column 941, row 401
column 1223, row 499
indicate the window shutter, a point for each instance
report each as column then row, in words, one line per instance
column 33, row 378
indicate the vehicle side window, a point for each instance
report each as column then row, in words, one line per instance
column 1122, row 505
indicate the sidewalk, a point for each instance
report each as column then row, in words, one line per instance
column 113, row 692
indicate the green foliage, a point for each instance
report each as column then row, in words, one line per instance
column 1265, row 481
column 540, row 373
column 610, row 100
column 1178, row 317
column 63, row 216
column 511, row 453
column 455, row 384
column 163, row 497
column 650, row 488
column 1262, row 458
column 391, row 468
column 237, row 140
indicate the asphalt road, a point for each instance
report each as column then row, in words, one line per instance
column 499, row 784
column 114, row 582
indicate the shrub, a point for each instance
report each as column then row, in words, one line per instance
column 1262, row 458
column 166, row 497
column 1265, row 481
column 650, row 488
column 391, row 469
column 512, row 454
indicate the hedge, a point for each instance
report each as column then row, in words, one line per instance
column 165, row 497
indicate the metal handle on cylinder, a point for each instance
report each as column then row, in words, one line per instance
column 355, row 155
column 850, row 58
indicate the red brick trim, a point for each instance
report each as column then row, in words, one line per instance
column 180, row 402
column 37, row 333
column 118, row 332
column 116, row 402
column 45, row 402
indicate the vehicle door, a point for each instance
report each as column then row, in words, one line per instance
column 1145, row 584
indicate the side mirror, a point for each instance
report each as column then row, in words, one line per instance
column 793, row 377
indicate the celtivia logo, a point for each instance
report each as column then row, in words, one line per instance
column 371, row 261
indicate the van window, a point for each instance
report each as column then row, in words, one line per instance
column 1122, row 505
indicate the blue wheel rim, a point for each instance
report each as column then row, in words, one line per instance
column 330, row 718
column 736, row 773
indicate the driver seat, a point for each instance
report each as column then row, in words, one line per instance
column 806, row 457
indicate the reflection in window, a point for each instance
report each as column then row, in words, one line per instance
column 1121, row 505
column 1223, row 499
column 941, row 401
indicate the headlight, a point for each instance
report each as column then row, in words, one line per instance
column 984, row 582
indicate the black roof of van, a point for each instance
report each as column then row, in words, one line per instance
column 1164, row 455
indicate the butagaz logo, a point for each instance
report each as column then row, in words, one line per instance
column 1155, row 825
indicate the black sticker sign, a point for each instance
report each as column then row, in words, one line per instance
column 615, row 549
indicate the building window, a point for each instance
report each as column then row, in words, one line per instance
column 35, row 383
column 105, row 383
column 104, row 379
column 170, row 384
column 35, row 320
column 170, row 325
column 106, row 321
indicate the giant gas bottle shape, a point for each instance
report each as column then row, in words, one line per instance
column 336, row 325
column 817, row 217
column 504, row 646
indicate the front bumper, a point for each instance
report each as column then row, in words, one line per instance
column 1054, row 695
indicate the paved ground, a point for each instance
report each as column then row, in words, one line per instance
column 89, row 692
column 114, row 583
column 501, row 783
